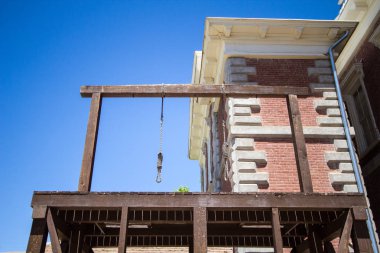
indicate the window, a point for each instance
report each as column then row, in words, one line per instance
column 359, row 109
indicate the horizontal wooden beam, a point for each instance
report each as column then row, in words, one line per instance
column 190, row 90
column 307, row 201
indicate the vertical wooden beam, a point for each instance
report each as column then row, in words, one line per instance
column 200, row 229
column 276, row 230
column 299, row 144
column 90, row 144
column 360, row 237
column 123, row 230
column 55, row 244
column 77, row 239
column 345, row 236
column 315, row 242
column 38, row 236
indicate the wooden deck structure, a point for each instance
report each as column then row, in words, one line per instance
column 305, row 221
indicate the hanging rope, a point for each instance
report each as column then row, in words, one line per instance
column 160, row 156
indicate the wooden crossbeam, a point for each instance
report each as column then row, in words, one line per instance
column 174, row 200
column 190, row 90
column 345, row 236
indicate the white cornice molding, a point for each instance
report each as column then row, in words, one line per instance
column 361, row 33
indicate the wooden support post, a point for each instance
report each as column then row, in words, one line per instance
column 299, row 144
column 123, row 230
column 77, row 239
column 345, row 236
column 38, row 236
column 276, row 230
column 359, row 233
column 55, row 244
column 90, row 144
column 315, row 242
column 200, row 229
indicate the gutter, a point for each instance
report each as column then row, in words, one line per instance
column 351, row 148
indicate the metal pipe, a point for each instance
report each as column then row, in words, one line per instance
column 349, row 141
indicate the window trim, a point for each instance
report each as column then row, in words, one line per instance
column 350, row 84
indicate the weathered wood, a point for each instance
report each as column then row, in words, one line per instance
column 360, row 237
column 200, row 230
column 123, row 230
column 190, row 90
column 303, row 168
column 252, row 200
column 55, row 244
column 38, row 236
column 277, row 237
column 39, row 212
column 345, row 236
column 90, row 144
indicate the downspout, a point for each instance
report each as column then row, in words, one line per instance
column 349, row 143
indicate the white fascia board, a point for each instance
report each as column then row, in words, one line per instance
column 275, row 50
column 359, row 36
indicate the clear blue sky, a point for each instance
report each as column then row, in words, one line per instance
column 48, row 49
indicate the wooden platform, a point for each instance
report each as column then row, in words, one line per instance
column 80, row 221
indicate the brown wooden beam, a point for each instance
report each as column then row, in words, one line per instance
column 199, row 230
column 90, row 144
column 345, row 236
column 277, row 237
column 360, row 237
column 334, row 229
column 314, row 239
column 303, row 168
column 38, row 236
column 190, row 90
column 92, row 200
column 123, row 230
column 77, row 238
column 55, row 244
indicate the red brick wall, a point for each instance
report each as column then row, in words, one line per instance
column 281, row 164
column 282, row 72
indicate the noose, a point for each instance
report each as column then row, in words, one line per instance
column 160, row 156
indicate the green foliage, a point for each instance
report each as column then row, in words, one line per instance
column 183, row 189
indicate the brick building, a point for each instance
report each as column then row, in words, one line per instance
column 245, row 144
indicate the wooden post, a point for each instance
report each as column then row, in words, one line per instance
column 359, row 233
column 39, row 231
column 38, row 236
column 345, row 236
column 90, row 144
column 299, row 144
column 123, row 230
column 276, row 230
column 200, row 229
column 55, row 244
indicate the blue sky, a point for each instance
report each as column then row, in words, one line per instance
column 48, row 49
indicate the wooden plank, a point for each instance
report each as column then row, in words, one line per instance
column 199, row 230
column 38, row 236
column 303, row 168
column 92, row 200
column 77, row 238
column 55, row 244
column 190, row 90
column 90, row 144
column 345, row 236
column 360, row 237
column 123, row 230
column 277, row 237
